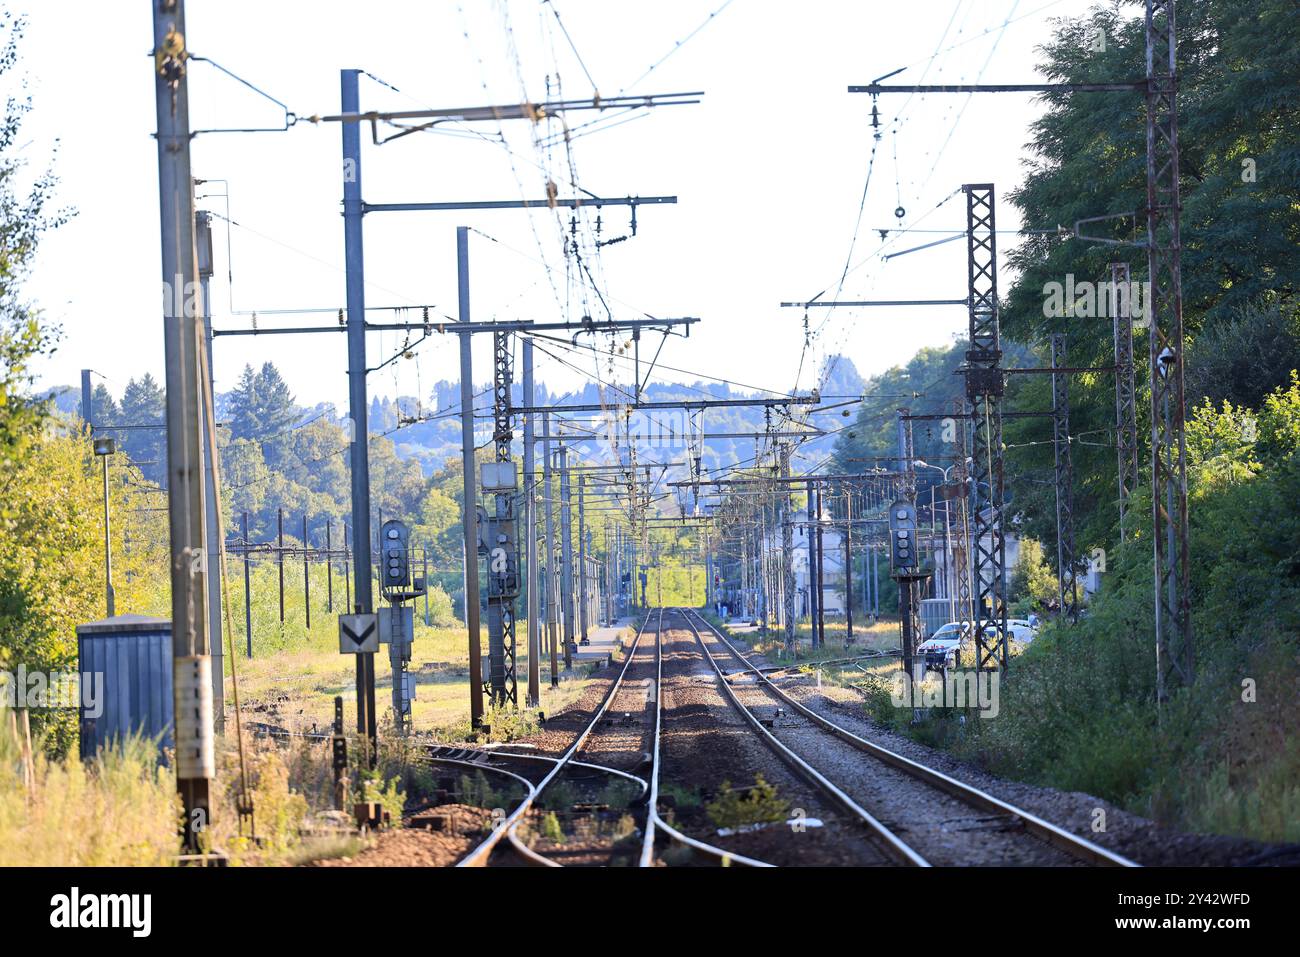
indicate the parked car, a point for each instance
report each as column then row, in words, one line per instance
column 1021, row 630
column 954, row 642
column 941, row 650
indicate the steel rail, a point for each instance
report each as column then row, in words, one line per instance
column 1072, row 844
column 653, row 820
column 893, row 845
column 530, row 792
column 513, row 834
column 479, row 856
column 888, row 653
column 531, row 856
column 647, row 856
column 602, row 768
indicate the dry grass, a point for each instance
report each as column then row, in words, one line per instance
column 311, row 676
column 121, row 809
column 117, row 810
column 867, row 637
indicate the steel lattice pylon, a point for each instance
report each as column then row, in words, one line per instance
column 1174, row 656
column 984, row 388
column 502, row 685
column 910, row 585
column 961, row 549
column 1125, row 390
column 787, row 546
column 1066, row 558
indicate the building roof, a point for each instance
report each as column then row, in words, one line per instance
column 137, row 624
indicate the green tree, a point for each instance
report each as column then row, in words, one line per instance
column 24, row 217
column 50, row 492
column 103, row 408
column 278, row 413
column 245, row 421
column 145, row 404
column 261, row 405
column 1239, row 78
column 1032, row 583
column 1242, row 356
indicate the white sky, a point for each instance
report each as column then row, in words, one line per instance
column 768, row 169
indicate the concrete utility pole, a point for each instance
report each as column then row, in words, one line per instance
column 848, row 566
column 87, row 402
column 534, row 695
column 213, row 530
column 875, row 586
column 552, row 573
column 248, row 591
column 814, row 592
column 192, row 664
column 103, row 448
column 583, row 602
column 820, row 623
column 110, row 596
column 279, row 556
column 469, row 511
column 306, row 575
column 329, row 573
column 611, row 568
column 566, row 556
column 358, row 413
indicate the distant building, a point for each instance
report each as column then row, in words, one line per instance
column 832, row 564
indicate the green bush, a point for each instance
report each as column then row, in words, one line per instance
column 734, row 808
column 1078, row 709
column 441, row 614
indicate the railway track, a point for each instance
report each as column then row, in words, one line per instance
column 1002, row 834
column 888, row 810
column 712, row 742
column 599, row 736
column 840, row 819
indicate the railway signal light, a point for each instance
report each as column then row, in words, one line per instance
column 395, row 552
column 903, row 555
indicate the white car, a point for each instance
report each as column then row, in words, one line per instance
column 952, row 642
column 1019, row 629
column 941, row 649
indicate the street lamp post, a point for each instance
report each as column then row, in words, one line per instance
column 947, row 506
column 104, row 447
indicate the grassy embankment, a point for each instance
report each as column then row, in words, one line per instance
column 122, row 809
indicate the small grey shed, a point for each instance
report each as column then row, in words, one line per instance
column 130, row 659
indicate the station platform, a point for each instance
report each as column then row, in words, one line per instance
column 602, row 641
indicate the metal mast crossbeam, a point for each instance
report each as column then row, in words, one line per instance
column 577, row 202
column 812, row 399
column 512, row 111
column 450, row 326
